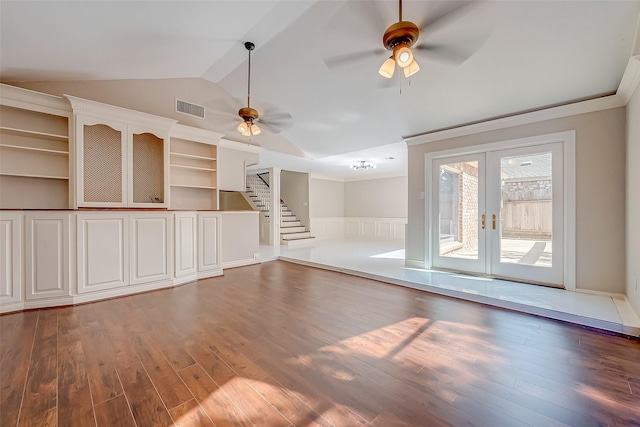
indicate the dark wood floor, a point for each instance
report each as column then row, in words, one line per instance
column 280, row 344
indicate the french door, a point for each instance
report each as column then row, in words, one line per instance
column 500, row 213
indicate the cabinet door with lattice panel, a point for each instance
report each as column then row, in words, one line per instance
column 101, row 160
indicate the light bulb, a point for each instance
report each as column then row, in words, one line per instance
column 411, row 69
column 255, row 130
column 403, row 55
column 387, row 68
column 242, row 128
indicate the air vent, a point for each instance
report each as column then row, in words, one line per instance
column 190, row 109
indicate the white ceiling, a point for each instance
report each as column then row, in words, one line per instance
column 526, row 55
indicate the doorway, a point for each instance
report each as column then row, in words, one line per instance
column 501, row 211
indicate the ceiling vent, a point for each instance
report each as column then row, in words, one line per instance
column 190, row 109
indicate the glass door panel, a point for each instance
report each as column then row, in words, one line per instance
column 458, row 193
column 526, row 196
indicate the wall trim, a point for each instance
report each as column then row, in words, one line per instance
column 195, row 134
column 583, row 107
column 240, row 263
column 226, row 143
column 398, row 174
column 27, row 99
column 630, row 79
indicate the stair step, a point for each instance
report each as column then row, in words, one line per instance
column 297, row 242
column 296, row 229
column 286, row 224
column 296, row 236
column 289, row 218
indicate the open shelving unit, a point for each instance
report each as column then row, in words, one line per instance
column 193, row 174
column 34, row 159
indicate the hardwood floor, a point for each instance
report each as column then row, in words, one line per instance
column 281, row 344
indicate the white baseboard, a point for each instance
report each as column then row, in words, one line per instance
column 240, row 263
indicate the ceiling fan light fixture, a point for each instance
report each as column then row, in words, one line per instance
column 255, row 130
column 403, row 55
column 411, row 69
column 243, row 128
column 387, row 68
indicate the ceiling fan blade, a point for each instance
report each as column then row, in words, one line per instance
column 350, row 58
column 450, row 53
column 276, row 122
column 442, row 17
column 370, row 19
column 272, row 127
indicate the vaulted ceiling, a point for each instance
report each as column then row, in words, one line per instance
column 503, row 57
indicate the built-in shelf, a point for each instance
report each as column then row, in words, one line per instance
column 197, row 168
column 24, row 132
column 42, row 150
column 30, row 175
column 192, row 156
column 204, row 187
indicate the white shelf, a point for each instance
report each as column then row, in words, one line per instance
column 193, row 186
column 30, row 175
column 41, row 150
column 24, row 132
column 193, row 168
column 192, row 156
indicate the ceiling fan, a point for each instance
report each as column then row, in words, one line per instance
column 401, row 39
column 250, row 116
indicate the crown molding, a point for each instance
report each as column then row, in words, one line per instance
column 18, row 97
column 398, row 174
column 326, row 177
column 195, row 134
column 630, row 79
column 226, row 143
column 583, row 107
column 93, row 108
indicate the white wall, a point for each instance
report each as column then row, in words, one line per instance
column 231, row 166
column 326, row 198
column 294, row 190
column 600, row 195
column 633, row 201
column 376, row 198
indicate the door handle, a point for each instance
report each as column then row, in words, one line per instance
column 483, row 221
column 493, row 221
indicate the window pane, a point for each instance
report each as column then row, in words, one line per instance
column 458, row 216
column 526, row 209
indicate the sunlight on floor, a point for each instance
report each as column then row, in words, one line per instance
column 399, row 254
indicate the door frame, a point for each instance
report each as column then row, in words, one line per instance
column 568, row 141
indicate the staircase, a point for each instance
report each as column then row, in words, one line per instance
column 292, row 232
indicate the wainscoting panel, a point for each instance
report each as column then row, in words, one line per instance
column 363, row 228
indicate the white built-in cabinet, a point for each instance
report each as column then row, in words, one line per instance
column 121, row 157
column 83, row 169
column 47, row 254
column 186, row 243
column 10, row 257
column 102, row 250
column 151, row 249
column 209, row 242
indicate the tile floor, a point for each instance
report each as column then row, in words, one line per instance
column 384, row 261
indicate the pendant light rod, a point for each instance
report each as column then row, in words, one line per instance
column 249, row 46
column 400, row 10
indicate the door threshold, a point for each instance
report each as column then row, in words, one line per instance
column 491, row 276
